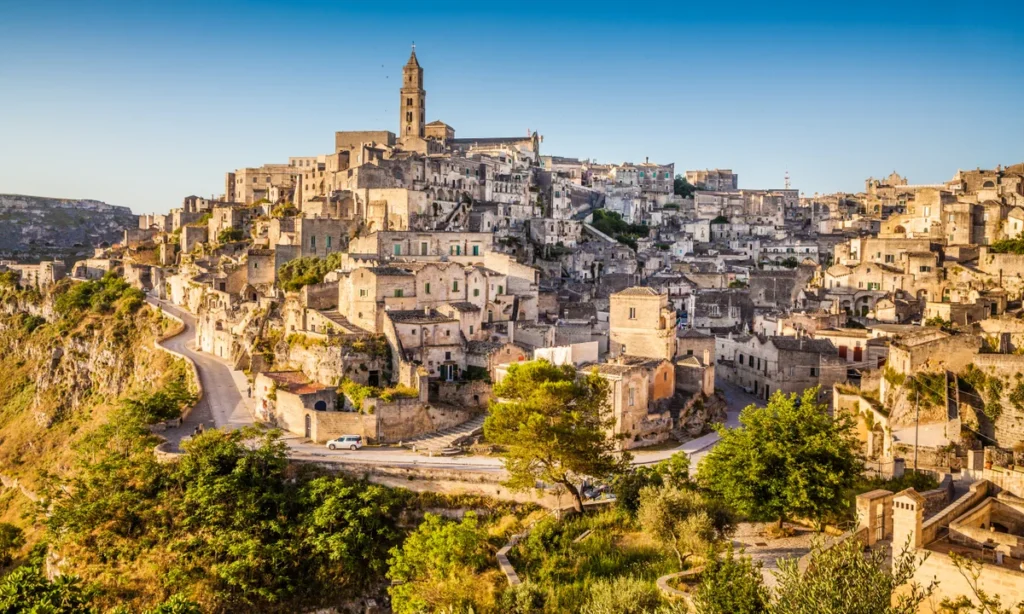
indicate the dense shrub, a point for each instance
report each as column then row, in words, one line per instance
column 300, row 272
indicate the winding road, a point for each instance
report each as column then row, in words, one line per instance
column 222, row 404
column 225, row 404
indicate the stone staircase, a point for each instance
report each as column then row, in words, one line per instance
column 446, row 441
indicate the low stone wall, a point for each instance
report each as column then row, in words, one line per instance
column 404, row 419
column 691, row 575
column 1004, row 479
column 995, row 580
column 931, row 527
column 937, row 499
column 464, row 394
column 327, row 425
column 860, row 533
column 163, row 451
column 9, row 482
column 502, row 556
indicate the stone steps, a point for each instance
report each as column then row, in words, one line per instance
column 444, row 441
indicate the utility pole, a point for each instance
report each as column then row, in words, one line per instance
column 917, row 424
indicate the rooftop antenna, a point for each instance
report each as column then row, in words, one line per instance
column 787, row 178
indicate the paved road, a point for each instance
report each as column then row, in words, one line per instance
column 226, row 404
column 222, row 404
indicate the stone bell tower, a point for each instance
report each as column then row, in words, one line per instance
column 414, row 99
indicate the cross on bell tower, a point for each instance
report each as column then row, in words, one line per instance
column 413, row 107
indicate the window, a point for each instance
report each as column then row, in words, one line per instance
column 447, row 355
column 328, row 242
column 408, row 116
column 741, row 359
column 476, row 250
column 501, row 289
column 632, row 313
column 362, row 293
column 476, row 291
column 689, row 352
column 890, row 258
column 423, row 248
column 632, row 396
column 312, row 243
column 398, row 249
column 426, row 288
column 399, row 293
column 471, row 329
column 814, row 372
column 408, row 101
column 455, row 286
column 925, row 269
column 750, row 361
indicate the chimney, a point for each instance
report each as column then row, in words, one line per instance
column 707, row 357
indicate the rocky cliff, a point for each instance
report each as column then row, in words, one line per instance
column 62, row 376
column 34, row 228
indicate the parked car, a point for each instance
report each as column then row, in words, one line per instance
column 352, row 442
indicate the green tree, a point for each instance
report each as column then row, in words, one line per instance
column 27, row 590
column 438, row 566
column 353, row 525
column 682, row 519
column 228, row 235
column 731, row 584
column 524, row 598
column 844, row 580
column 238, row 509
column 682, row 187
column 299, row 272
column 177, row 604
column 674, row 471
column 787, row 459
column 12, row 538
column 553, row 425
column 622, row 595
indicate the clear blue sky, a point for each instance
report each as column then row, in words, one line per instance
column 142, row 103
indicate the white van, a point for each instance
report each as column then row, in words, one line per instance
column 352, row 442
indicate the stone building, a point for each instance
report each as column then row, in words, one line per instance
column 630, row 392
column 716, row 180
column 641, row 323
column 787, row 364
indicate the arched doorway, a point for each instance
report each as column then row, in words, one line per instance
column 319, row 406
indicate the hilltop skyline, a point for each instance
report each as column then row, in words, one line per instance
column 141, row 106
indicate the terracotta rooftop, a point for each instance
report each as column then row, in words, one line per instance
column 295, row 382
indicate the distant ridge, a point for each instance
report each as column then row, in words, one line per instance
column 40, row 227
